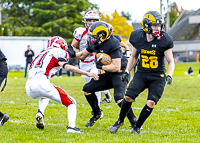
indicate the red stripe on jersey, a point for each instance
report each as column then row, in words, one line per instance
column 64, row 97
column 33, row 62
column 85, row 32
column 52, row 64
column 77, row 40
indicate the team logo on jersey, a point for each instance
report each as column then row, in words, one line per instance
column 162, row 75
column 154, row 45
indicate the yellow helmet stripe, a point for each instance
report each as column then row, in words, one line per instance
column 150, row 17
column 100, row 28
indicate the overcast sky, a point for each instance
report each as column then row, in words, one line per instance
column 137, row 8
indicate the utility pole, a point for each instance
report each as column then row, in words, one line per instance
column 168, row 19
column 0, row 12
column 161, row 7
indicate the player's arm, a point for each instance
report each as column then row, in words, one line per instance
column 82, row 55
column 170, row 60
column 132, row 60
column 127, row 49
column 115, row 66
column 75, row 44
column 76, row 70
column 79, row 55
column 122, row 44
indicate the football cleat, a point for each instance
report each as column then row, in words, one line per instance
column 93, row 112
column 133, row 123
column 107, row 98
column 94, row 119
column 74, row 130
column 39, row 120
column 135, row 130
column 114, row 128
column 3, row 119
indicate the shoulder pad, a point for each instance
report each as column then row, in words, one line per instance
column 78, row 32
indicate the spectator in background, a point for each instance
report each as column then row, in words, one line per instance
column 3, row 75
column 29, row 57
column 72, row 61
column 190, row 71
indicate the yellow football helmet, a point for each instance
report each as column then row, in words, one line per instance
column 152, row 18
column 99, row 32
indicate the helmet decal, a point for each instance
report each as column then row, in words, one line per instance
column 100, row 31
column 57, row 42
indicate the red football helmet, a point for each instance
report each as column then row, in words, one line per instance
column 57, row 42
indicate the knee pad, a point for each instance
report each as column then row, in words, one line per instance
column 87, row 89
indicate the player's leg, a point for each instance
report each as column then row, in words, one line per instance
column 61, row 96
column 43, row 102
column 89, row 90
column 107, row 98
column 33, row 91
column 3, row 118
column 126, row 110
column 155, row 91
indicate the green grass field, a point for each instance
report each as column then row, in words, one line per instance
column 176, row 117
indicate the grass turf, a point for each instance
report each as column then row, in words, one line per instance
column 174, row 119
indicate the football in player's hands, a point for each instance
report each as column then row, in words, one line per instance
column 105, row 58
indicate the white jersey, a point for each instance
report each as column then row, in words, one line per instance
column 47, row 62
column 80, row 34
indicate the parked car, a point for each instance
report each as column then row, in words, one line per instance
column 185, row 59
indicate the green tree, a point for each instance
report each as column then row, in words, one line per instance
column 120, row 25
column 126, row 15
column 47, row 17
column 173, row 14
column 1, row 32
column 5, row 31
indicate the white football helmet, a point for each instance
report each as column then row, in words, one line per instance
column 57, row 42
column 91, row 15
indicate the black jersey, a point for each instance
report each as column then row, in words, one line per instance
column 111, row 47
column 151, row 53
column 118, row 37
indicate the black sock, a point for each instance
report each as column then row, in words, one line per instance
column 130, row 115
column 92, row 100
column 1, row 114
column 125, row 107
column 144, row 114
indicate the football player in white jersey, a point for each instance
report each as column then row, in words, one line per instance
column 88, row 64
column 38, row 85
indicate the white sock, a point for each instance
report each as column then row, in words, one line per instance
column 71, row 114
column 106, row 92
column 98, row 95
column 43, row 102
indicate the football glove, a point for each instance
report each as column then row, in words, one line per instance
column 98, row 63
column 169, row 79
column 71, row 51
column 125, row 76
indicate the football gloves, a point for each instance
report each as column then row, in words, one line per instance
column 71, row 51
column 98, row 63
column 169, row 80
column 125, row 76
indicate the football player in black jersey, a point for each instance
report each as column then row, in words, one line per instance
column 102, row 41
column 151, row 44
